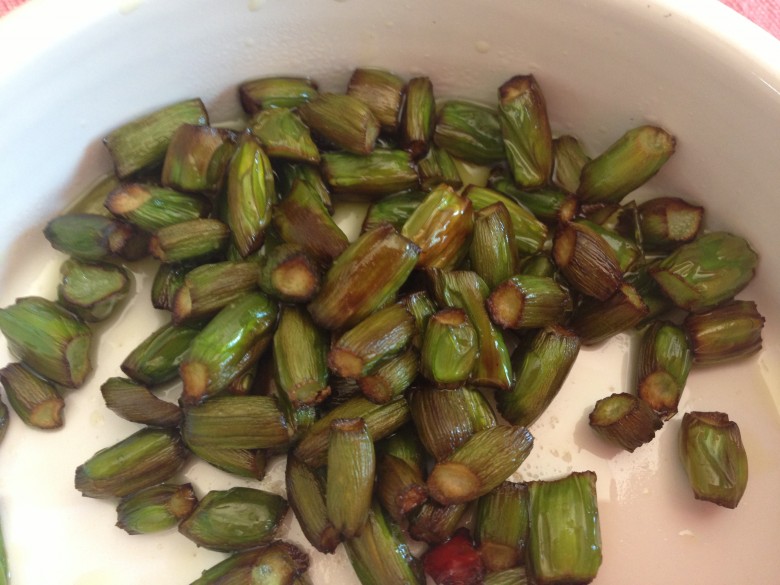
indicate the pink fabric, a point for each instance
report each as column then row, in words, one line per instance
column 765, row 13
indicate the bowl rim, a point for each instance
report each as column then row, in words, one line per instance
column 22, row 30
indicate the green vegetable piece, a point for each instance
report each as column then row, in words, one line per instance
column 625, row 420
column 596, row 321
column 150, row 207
column 548, row 205
column 449, row 348
column 480, row 465
column 90, row 236
column 663, row 362
column 365, row 277
column 438, row 167
column 136, row 403
column 92, row 290
column 564, row 536
column 279, row 563
column 394, row 209
column 276, row 92
column 236, row 519
column 236, row 422
column 541, row 370
column 301, row 218
column 667, row 222
column 358, row 351
column 306, row 492
column 380, row 556
column 569, row 158
column 420, row 305
column 493, row 250
column 47, row 338
column 400, row 486
column 530, row 233
column 466, row 290
column 228, row 346
column 391, row 378
column 209, row 288
column 446, row 419
column 351, row 474
column 714, row 457
column 287, row 273
column 167, row 280
column 707, row 272
column 368, row 177
column 156, row 508
column 197, row 239
column 657, row 303
column 627, row 164
column 526, row 301
column 300, row 357
column 197, row 158
column 3, row 419
column 142, row 143
column 381, row 420
column 434, row 524
column 587, row 260
column 728, row 332
column 501, row 526
column 250, row 195
column 249, row 463
column 381, row 91
column 37, row 402
column 310, row 175
column 538, row 265
column 469, row 131
column 418, row 117
column 441, row 226
column 143, row 459
column 284, row 136
column 525, row 128
column 157, row 358
column 342, row 120
column 627, row 252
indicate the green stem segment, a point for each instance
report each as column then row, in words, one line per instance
column 136, row 403
column 526, row 130
column 228, row 346
column 663, row 362
column 625, row 420
column 729, row 332
column 541, row 371
column 155, row 508
column 714, row 457
column 564, row 536
column 351, row 474
column 37, row 402
column 92, row 290
column 146, row 458
column 236, row 519
column 47, row 338
column 466, row 290
column 480, row 465
column 364, row 278
column 445, row 419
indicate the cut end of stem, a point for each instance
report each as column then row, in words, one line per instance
column 453, row 483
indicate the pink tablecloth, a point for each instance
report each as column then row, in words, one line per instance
column 765, row 13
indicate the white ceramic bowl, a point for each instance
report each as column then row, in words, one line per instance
column 71, row 71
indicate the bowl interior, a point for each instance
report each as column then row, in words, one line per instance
column 604, row 67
